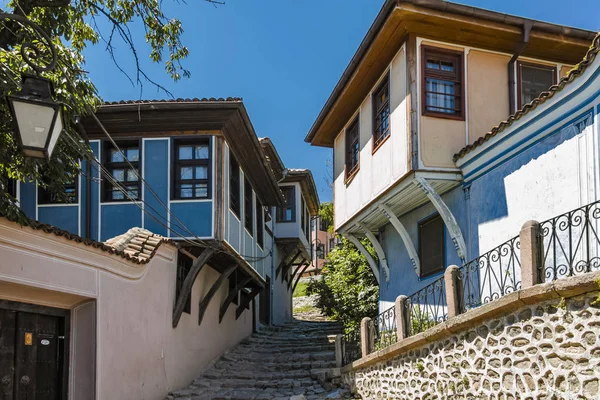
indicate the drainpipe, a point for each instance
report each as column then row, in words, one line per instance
column 88, row 177
column 512, row 80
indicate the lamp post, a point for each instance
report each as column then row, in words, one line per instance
column 38, row 117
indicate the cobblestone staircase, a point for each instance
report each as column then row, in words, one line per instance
column 272, row 364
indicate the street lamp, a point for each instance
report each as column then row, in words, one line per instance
column 38, row 117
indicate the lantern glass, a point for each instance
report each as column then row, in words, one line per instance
column 38, row 117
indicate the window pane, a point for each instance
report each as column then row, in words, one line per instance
column 186, row 190
column 185, row 152
column 201, row 190
column 133, row 155
column 117, row 194
column 133, row 192
column 116, row 156
column 288, row 214
column 447, row 66
column 433, row 64
column 201, row 172
column 201, row 151
column 119, row 174
column 534, row 81
column 440, row 95
column 132, row 176
column 186, row 173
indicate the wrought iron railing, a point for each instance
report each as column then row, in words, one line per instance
column 351, row 350
column 427, row 307
column 383, row 329
column 491, row 275
column 571, row 243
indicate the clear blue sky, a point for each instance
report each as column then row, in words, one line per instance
column 284, row 58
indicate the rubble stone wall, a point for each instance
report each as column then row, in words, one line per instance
column 550, row 350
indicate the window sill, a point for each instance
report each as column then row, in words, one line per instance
column 443, row 116
column 375, row 148
column 350, row 176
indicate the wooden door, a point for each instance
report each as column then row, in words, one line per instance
column 7, row 353
column 265, row 303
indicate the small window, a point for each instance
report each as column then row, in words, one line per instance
column 303, row 216
column 191, row 169
column 125, row 184
column 307, row 224
column 381, row 113
column 442, row 83
column 234, row 185
column 248, row 208
column 352, row 148
column 533, row 80
column 8, row 185
column 70, row 194
column 431, row 245
column 287, row 213
column 260, row 237
column 184, row 264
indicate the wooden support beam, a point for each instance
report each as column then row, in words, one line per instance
column 239, row 286
column 287, row 267
column 213, row 290
column 289, row 282
column 186, row 288
column 245, row 301
column 298, row 276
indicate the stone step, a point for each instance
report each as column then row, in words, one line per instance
column 274, row 366
column 273, row 349
column 278, row 357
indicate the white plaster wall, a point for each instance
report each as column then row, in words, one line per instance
column 380, row 170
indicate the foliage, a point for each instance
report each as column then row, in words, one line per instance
column 420, row 320
column 348, row 290
column 326, row 215
column 300, row 289
column 73, row 26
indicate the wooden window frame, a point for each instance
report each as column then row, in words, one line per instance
column 107, row 186
column 351, row 170
column 260, row 222
column 248, row 206
column 420, row 224
column 46, row 198
column 177, row 163
column 235, row 202
column 10, row 185
column 380, row 138
column 280, row 210
column 458, row 78
column 531, row 65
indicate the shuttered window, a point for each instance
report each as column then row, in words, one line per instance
column 431, row 245
column 234, row 185
column 533, row 80
column 248, row 208
column 442, row 83
column 125, row 184
column 381, row 113
column 352, row 149
column 287, row 213
column 260, row 225
column 191, row 169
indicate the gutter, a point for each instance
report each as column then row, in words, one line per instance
column 512, row 80
column 88, row 186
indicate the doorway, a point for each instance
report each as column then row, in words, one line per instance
column 265, row 303
column 33, row 352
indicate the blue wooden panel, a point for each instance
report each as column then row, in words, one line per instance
column 95, row 195
column 156, row 174
column 28, row 200
column 119, row 218
column 63, row 217
column 196, row 216
column 234, row 231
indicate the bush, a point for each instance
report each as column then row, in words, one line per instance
column 348, row 290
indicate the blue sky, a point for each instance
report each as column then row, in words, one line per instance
column 284, row 58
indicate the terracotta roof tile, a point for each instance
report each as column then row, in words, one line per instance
column 136, row 245
column 178, row 100
column 577, row 71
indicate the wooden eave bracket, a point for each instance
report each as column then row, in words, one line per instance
column 287, row 267
column 213, row 290
column 186, row 288
column 302, row 265
column 447, row 216
column 245, row 301
column 365, row 253
column 378, row 250
column 408, row 243
column 299, row 275
column 239, row 285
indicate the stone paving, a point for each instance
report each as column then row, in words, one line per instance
column 275, row 363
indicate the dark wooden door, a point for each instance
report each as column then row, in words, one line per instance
column 265, row 303
column 31, row 362
column 8, row 326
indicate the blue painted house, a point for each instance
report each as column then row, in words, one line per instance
column 428, row 79
column 193, row 171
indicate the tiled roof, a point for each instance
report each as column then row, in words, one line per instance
column 179, row 100
column 577, row 71
column 136, row 245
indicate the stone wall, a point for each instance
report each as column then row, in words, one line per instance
column 549, row 350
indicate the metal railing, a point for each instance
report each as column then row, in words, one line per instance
column 383, row 329
column 351, row 350
column 571, row 243
column 427, row 307
column 491, row 275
